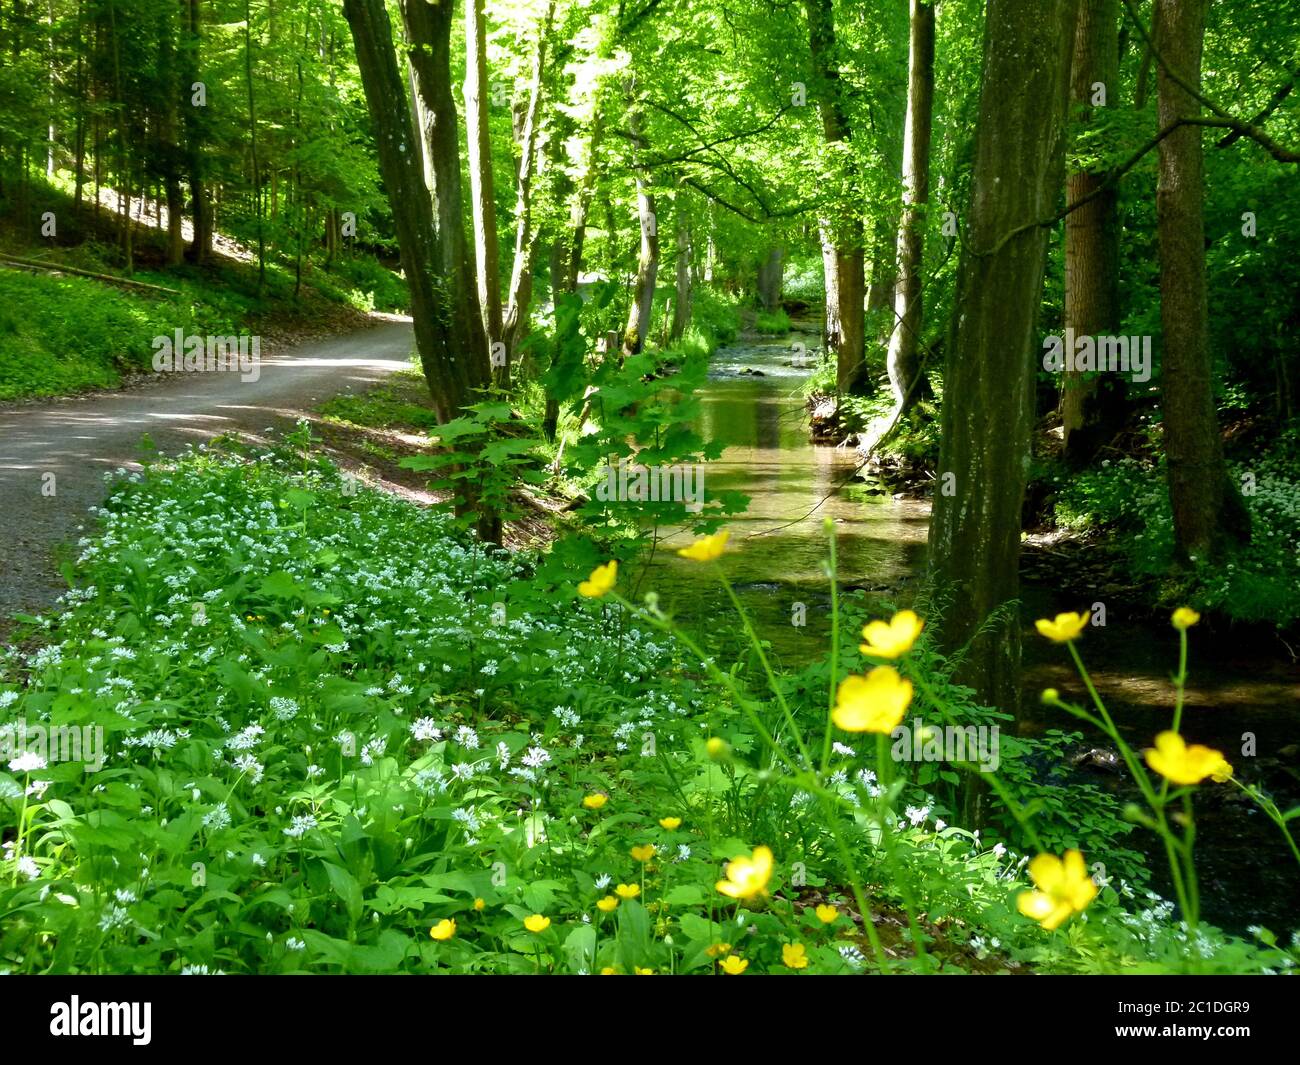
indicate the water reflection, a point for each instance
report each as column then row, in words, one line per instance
column 779, row 551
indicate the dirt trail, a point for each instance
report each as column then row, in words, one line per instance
column 78, row 440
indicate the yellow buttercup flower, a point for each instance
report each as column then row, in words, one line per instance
column 1064, row 627
column 1064, row 887
column 716, row 746
column 716, row 950
column 747, row 877
column 479, row 904
column 444, row 929
column 537, row 923
column 794, row 955
column 734, row 965
column 1184, row 618
column 643, row 972
column 670, row 823
column 595, row 801
column 706, row 548
column 627, row 891
column 608, row 904
column 874, row 703
column 609, row 970
column 601, row 580
column 826, row 914
column 893, row 638
column 644, row 853
column 1182, row 764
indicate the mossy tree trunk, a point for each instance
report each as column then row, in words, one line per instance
column 990, row 359
column 1208, row 512
column 1092, row 405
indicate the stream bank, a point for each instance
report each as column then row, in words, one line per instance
column 1239, row 685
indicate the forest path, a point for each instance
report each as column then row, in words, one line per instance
column 79, row 439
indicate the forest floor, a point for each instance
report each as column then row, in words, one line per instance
column 78, row 440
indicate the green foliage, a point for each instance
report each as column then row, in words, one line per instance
column 714, row 315
column 314, row 755
column 772, row 323
column 365, row 284
column 1129, row 497
column 73, row 332
column 804, row 279
column 481, row 459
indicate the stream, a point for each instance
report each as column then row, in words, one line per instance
column 1239, row 682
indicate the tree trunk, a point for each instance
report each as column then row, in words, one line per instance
column 682, row 295
column 171, row 152
column 195, row 130
column 515, row 324
column 252, row 145
column 647, row 264
column 478, row 142
column 428, row 29
column 1092, row 405
column 647, row 270
column 80, row 149
column 448, row 331
column 771, row 273
column 1207, row 510
column 711, row 246
column 566, row 260
column 842, row 250
column 988, row 397
column 903, row 361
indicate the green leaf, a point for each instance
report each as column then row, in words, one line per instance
column 346, row 888
column 580, row 948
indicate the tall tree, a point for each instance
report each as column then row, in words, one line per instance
column 193, row 106
column 170, row 161
column 989, row 373
column 478, row 140
column 842, row 236
column 771, row 274
column 682, row 287
column 515, row 323
column 1208, row 512
column 647, row 262
column 904, row 341
column 428, row 33
column 252, row 145
column 448, row 332
column 1092, row 405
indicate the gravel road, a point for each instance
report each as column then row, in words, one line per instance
column 79, row 439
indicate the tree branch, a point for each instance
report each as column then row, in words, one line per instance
column 1226, row 119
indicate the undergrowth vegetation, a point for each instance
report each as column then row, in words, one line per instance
column 1129, row 498
column 341, row 736
column 62, row 333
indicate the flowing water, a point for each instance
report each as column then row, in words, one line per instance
column 776, row 559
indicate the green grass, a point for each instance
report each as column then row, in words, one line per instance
column 772, row 323
column 65, row 333
column 386, row 406
column 62, row 334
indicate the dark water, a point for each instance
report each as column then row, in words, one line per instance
column 1240, row 684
